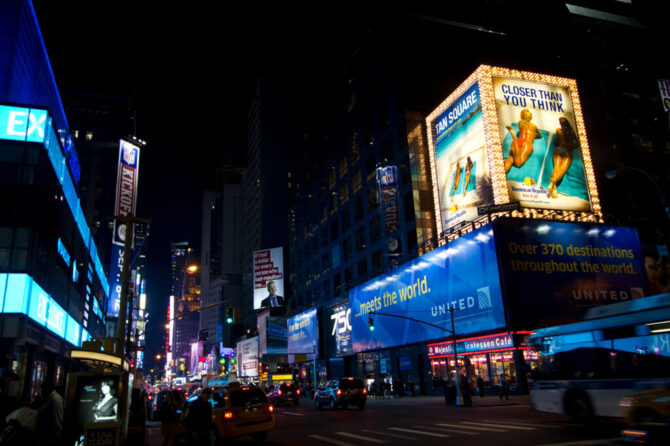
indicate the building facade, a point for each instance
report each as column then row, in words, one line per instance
column 53, row 286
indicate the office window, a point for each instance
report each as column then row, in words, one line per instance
column 370, row 167
column 344, row 193
column 334, row 230
column 373, row 198
column 337, row 282
column 377, row 259
column 358, row 209
column 360, row 239
column 375, row 229
column 331, row 177
column 343, row 167
column 362, row 268
column 346, row 220
column 357, row 180
column 346, row 248
column 348, row 277
column 355, row 149
column 325, row 263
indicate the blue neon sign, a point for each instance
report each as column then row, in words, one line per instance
column 19, row 293
column 22, row 124
column 35, row 125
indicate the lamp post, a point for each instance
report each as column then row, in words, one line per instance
column 452, row 332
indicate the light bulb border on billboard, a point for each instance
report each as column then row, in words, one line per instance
column 483, row 76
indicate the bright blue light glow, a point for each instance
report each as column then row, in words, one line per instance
column 19, row 293
column 63, row 252
column 35, row 125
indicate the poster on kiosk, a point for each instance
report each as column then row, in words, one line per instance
column 94, row 409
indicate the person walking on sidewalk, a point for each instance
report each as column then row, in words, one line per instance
column 480, row 386
column 466, row 391
column 504, row 387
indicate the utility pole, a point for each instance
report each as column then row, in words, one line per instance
column 453, row 333
column 129, row 221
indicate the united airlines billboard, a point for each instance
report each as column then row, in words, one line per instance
column 463, row 275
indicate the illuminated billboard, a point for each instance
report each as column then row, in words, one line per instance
column 303, row 332
column 511, row 136
column 247, row 357
column 268, row 271
column 126, row 202
column 462, row 174
column 463, row 274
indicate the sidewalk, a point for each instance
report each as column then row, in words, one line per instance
column 477, row 401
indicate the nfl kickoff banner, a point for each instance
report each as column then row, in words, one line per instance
column 387, row 178
column 126, row 201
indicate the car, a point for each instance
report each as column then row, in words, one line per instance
column 160, row 398
column 239, row 411
column 647, row 416
column 341, row 392
column 283, row 394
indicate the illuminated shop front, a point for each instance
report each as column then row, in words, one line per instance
column 488, row 357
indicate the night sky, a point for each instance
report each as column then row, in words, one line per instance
column 192, row 76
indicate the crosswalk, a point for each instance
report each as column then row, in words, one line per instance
column 425, row 432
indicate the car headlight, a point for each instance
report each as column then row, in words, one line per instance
column 626, row 401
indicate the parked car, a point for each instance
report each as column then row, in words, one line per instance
column 283, row 394
column 159, row 400
column 341, row 393
column 239, row 411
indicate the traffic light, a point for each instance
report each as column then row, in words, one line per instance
column 371, row 324
column 222, row 360
column 229, row 315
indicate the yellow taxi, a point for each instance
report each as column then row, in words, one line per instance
column 239, row 411
column 647, row 416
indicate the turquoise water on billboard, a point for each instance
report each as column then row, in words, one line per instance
column 573, row 184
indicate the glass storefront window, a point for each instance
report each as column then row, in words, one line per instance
column 39, row 372
column 503, row 363
column 479, row 367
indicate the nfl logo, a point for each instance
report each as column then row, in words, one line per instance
column 129, row 155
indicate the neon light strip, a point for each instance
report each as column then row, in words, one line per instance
column 481, row 352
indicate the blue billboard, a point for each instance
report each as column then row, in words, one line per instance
column 463, row 274
column 303, row 332
column 555, row 271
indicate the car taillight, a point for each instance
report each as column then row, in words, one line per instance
column 365, row 391
column 271, row 408
column 279, row 392
column 339, row 392
column 227, row 415
column 298, row 391
column 155, row 405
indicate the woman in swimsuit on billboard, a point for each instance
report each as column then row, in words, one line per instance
column 566, row 142
column 522, row 144
column 457, row 178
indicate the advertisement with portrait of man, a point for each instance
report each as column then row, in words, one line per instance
column 268, row 277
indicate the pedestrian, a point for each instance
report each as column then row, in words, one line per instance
column 449, row 392
column 49, row 419
column 480, row 386
column 466, row 391
column 373, row 390
column 168, row 415
column 504, row 387
column 137, row 420
column 199, row 418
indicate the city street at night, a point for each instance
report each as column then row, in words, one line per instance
column 427, row 420
column 270, row 223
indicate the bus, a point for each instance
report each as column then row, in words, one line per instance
column 586, row 369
